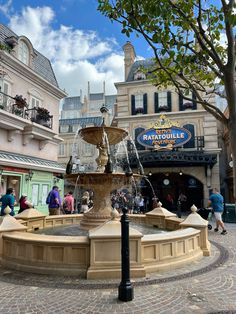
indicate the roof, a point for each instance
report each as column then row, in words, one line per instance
column 41, row 65
column 28, row 162
column 96, row 96
column 82, row 121
column 71, row 103
column 147, row 63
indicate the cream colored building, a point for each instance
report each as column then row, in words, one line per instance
column 29, row 146
column 192, row 168
column 78, row 112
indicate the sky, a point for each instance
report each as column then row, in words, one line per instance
column 82, row 44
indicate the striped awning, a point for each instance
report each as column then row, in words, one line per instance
column 28, row 162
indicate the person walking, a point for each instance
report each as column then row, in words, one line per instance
column 54, row 201
column 68, row 203
column 24, row 203
column 8, row 200
column 216, row 201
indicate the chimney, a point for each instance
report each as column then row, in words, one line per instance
column 129, row 57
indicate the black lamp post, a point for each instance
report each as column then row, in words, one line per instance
column 126, row 292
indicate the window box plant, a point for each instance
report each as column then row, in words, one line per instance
column 43, row 114
column 20, row 102
column 163, row 108
column 188, row 105
column 139, row 110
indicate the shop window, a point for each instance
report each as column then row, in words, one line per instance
column 137, row 132
column 139, row 104
column 191, row 142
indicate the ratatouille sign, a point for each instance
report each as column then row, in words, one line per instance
column 164, row 134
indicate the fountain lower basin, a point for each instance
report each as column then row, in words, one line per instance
column 97, row 255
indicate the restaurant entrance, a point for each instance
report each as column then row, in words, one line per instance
column 168, row 187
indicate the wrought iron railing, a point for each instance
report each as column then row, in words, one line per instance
column 18, row 106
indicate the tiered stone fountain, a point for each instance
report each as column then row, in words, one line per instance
column 104, row 180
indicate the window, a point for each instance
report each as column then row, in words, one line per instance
column 35, row 102
column 64, row 128
column 5, row 88
column 139, row 76
column 186, row 103
column 162, row 101
column 61, row 149
column 139, row 104
column 23, row 52
column 45, row 191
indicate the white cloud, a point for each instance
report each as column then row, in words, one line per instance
column 6, row 8
column 77, row 56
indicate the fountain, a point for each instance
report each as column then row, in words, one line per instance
column 96, row 254
column 104, row 180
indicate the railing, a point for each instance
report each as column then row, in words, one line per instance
column 18, row 106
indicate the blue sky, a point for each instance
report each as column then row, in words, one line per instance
column 82, row 44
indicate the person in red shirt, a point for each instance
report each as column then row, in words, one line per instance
column 68, row 203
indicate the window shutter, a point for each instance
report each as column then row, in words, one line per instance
column 169, row 101
column 132, row 105
column 145, row 103
column 194, row 101
column 191, row 142
column 181, row 100
column 136, row 133
column 156, row 102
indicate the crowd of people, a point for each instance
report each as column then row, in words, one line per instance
column 135, row 204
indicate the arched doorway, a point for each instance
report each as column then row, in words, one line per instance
column 172, row 184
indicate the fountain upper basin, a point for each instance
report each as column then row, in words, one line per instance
column 94, row 135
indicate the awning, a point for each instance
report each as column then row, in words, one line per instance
column 28, row 162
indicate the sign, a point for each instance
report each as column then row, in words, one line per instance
column 164, row 134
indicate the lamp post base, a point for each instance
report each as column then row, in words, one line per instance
column 126, row 292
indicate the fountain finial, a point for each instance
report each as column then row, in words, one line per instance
column 104, row 110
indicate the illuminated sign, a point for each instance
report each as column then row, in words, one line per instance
column 164, row 134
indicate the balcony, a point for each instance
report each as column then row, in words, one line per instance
column 18, row 106
column 16, row 118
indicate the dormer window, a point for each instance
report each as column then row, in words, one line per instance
column 23, row 52
column 139, row 76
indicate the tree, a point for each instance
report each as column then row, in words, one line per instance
column 194, row 48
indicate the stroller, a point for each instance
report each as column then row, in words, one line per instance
column 204, row 213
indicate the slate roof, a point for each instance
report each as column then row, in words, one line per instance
column 41, row 65
column 96, row 96
column 147, row 63
column 97, row 121
column 24, row 161
column 71, row 103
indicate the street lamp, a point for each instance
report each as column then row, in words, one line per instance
column 126, row 292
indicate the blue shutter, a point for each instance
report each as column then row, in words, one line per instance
column 133, row 105
column 156, row 102
column 137, row 132
column 145, row 103
column 191, row 142
column 169, row 101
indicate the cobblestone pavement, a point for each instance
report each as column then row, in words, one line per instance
column 207, row 286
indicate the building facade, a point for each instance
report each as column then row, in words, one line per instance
column 191, row 168
column 29, row 120
column 79, row 112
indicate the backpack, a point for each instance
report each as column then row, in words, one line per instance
column 48, row 198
